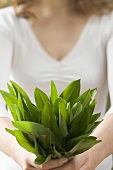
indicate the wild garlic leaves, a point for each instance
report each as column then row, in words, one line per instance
column 56, row 126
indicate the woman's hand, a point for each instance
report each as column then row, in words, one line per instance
column 90, row 159
column 22, row 157
column 83, row 161
column 26, row 161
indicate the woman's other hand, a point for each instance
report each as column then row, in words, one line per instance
column 26, row 161
column 90, row 159
column 84, row 161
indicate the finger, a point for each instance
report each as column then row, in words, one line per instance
column 84, row 168
column 36, row 168
column 68, row 166
column 31, row 162
column 31, row 168
column 79, row 161
column 54, row 163
column 33, row 165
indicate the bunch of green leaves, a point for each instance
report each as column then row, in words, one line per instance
column 56, row 126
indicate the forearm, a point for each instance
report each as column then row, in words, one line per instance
column 103, row 132
column 8, row 142
column 10, row 147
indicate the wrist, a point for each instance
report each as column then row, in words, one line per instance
column 104, row 133
column 97, row 154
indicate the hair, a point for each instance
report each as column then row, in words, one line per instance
column 20, row 10
column 90, row 7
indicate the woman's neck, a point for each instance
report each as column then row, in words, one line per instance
column 50, row 8
column 55, row 5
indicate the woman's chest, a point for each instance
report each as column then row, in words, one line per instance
column 60, row 36
column 86, row 62
column 32, row 65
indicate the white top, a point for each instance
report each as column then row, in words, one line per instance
column 23, row 59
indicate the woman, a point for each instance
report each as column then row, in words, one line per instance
column 61, row 40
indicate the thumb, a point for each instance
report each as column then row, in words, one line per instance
column 53, row 163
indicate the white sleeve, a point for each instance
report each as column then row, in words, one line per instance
column 110, row 72
column 6, row 53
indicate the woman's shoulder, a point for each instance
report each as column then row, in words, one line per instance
column 107, row 22
column 104, row 25
column 7, row 15
column 8, row 19
column 7, row 10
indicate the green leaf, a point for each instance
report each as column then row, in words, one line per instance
column 32, row 109
column 45, row 141
column 82, row 146
column 56, row 105
column 78, row 125
column 43, row 152
column 70, row 114
column 90, row 109
column 41, row 160
column 49, row 120
column 10, row 100
column 30, row 127
column 72, row 142
column 18, row 112
column 85, row 144
column 63, row 110
column 12, row 132
column 20, row 106
column 71, row 92
column 54, row 126
column 40, row 98
column 24, row 141
column 92, row 126
column 11, row 90
column 36, row 115
column 58, row 155
column 36, row 129
column 37, row 150
column 25, row 110
column 95, row 117
column 93, row 93
column 76, row 109
column 46, row 116
column 62, row 126
column 54, row 94
column 85, row 98
column 17, row 89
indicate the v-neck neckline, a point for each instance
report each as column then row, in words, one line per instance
column 69, row 54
